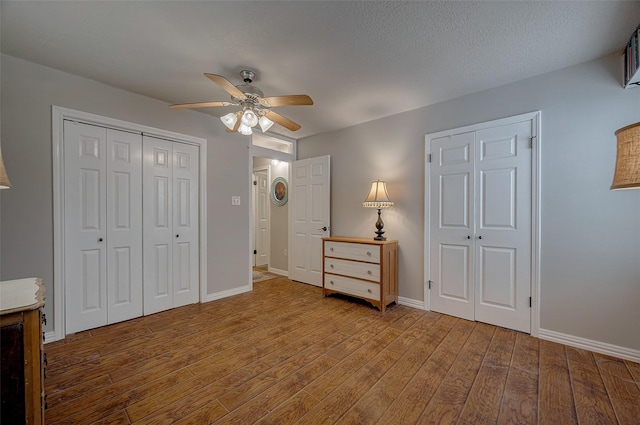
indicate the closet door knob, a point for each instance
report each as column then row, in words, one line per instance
column 479, row 237
column 99, row 239
column 177, row 236
column 468, row 237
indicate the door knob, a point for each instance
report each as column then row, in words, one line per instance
column 177, row 236
column 99, row 239
column 468, row 237
column 479, row 237
column 324, row 229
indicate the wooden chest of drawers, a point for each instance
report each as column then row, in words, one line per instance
column 21, row 356
column 362, row 268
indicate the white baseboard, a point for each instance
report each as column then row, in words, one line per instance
column 591, row 345
column 227, row 293
column 284, row 273
column 50, row 337
column 411, row 303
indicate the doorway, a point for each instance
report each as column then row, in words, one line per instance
column 270, row 220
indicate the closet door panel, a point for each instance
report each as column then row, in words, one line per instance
column 157, row 224
column 85, row 249
column 503, row 274
column 453, row 226
column 186, row 267
column 124, row 225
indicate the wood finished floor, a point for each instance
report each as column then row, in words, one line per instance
column 283, row 354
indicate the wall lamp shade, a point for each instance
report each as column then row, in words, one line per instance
column 4, row 179
column 627, row 173
column 378, row 198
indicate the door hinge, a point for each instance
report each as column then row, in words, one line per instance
column 530, row 302
column 531, row 139
column 255, row 251
column 429, row 283
column 428, row 157
column 255, row 183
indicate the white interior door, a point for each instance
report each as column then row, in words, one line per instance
column 453, row 225
column 158, row 226
column 124, row 225
column 186, row 263
column 171, row 224
column 85, row 249
column 309, row 216
column 503, row 236
column 481, row 224
column 262, row 206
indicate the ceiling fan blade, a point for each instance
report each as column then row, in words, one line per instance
column 285, row 122
column 291, row 100
column 200, row 105
column 226, row 85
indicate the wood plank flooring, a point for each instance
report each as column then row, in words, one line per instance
column 283, row 354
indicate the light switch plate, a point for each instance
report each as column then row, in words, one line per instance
column 235, row 200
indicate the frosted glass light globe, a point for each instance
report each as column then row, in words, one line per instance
column 249, row 118
column 245, row 129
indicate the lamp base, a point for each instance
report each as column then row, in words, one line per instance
column 379, row 226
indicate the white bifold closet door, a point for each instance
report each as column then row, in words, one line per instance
column 481, row 224
column 171, row 223
column 102, row 226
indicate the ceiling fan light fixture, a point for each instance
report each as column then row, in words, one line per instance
column 265, row 123
column 229, row 120
column 245, row 129
column 249, row 117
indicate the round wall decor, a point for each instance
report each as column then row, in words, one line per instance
column 279, row 191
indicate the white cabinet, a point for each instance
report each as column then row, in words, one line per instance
column 102, row 226
column 362, row 268
column 171, row 254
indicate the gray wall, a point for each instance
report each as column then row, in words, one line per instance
column 26, row 227
column 590, row 242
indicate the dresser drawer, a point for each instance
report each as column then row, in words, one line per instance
column 352, row 251
column 346, row 285
column 352, row 268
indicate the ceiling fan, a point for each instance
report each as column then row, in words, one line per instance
column 256, row 109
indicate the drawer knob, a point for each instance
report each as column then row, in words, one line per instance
column 368, row 254
column 369, row 272
column 369, row 290
column 331, row 249
column 331, row 265
column 331, row 282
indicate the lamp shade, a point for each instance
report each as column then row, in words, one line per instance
column 627, row 173
column 265, row 123
column 249, row 117
column 229, row 120
column 245, row 129
column 378, row 196
column 4, row 179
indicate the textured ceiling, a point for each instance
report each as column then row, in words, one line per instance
column 358, row 60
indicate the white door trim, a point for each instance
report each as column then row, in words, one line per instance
column 58, row 115
column 535, row 117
